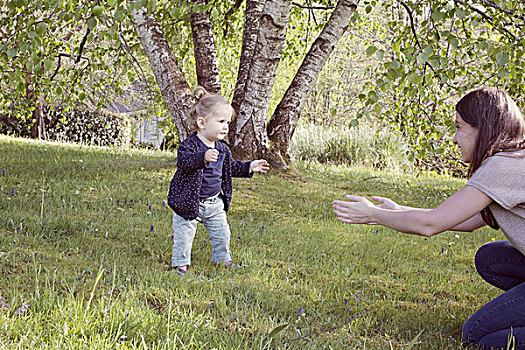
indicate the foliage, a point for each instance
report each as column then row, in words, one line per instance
column 431, row 52
column 361, row 146
column 76, row 125
column 84, row 260
column 63, row 49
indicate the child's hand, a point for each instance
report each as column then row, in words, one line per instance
column 259, row 166
column 211, row 155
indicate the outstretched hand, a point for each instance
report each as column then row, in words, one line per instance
column 358, row 210
column 259, row 166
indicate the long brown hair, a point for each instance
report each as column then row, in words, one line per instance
column 501, row 128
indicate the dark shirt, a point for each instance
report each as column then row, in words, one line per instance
column 212, row 175
column 185, row 187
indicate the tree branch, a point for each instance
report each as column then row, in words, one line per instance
column 229, row 13
column 82, row 44
column 412, row 26
column 313, row 7
column 490, row 20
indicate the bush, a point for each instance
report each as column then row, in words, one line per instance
column 367, row 146
column 79, row 125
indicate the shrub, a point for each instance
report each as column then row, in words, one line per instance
column 79, row 125
column 367, row 146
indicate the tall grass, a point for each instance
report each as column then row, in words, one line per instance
column 368, row 146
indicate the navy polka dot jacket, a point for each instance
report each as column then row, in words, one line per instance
column 185, row 187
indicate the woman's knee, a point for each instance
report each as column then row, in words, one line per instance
column 487, row 253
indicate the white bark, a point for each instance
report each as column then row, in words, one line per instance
column 284, row 120
column 206, row 64
column 250, row 138
column 252, row 16
column 174, row 88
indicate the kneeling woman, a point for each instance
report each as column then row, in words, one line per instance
column 490, row 133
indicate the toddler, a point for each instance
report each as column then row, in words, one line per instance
column 201, row 189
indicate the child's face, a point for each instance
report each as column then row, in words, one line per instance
column 215, row 127
column 465, row 138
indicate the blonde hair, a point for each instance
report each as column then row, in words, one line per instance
column 205, row 105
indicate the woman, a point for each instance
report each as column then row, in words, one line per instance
column 490, row 133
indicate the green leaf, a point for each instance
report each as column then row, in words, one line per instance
column 422, row 58
column 380, row 54
column 11, row 53
column 395, row 65
column 278, row 329
column 378, row 108
column 82, row 96
column 437, row 16
column 41, row 28
column 49, row 64
column 92, row 23
column 119, row 15
column 461, row 13
column 214, row 13
column 415, row 79
column 354, row 122
column 370, row 50
column 97, row 10
column 502, row 58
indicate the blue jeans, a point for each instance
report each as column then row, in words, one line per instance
column 503, row 266
column 213, row 216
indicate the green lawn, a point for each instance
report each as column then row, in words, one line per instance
column 84, row 261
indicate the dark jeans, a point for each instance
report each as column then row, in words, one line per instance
column 491, row 327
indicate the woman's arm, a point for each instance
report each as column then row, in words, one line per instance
column 457, row 212
column 469, row 225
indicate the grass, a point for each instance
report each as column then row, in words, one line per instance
column 366, row 145
column 84, row 262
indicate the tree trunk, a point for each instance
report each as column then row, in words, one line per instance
column 248, row 137
column 252, row 16
column 204, row 50
column 38, row 130
column 175, row 90
column 284, row 120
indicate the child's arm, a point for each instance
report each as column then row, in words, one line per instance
column 188, row 159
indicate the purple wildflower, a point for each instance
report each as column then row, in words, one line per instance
column 300, row 312
column 125, row 201
column 3, row 172
column 239, row 238
column 149, row 208
column 131, row 201
column 13, row 192
column 164, row 204
column 235, row 285
column 152, row 228
column 346, row 301
column 22, row 308
column 118, row 201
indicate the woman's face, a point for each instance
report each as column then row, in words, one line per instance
column 465, row 138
